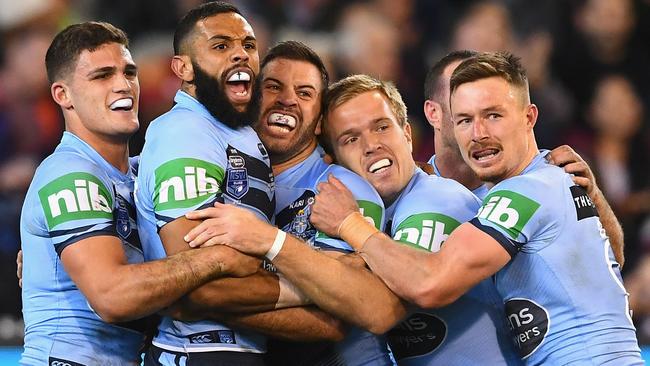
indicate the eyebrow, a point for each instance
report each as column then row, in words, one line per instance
column 102, row 70
column 281, row 83
column 229, row 38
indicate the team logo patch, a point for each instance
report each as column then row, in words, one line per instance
column 418, row 335
column 75, row 196
column 584, row 207
column 509, row 210
column 185, row 182
column 529, row 324
column 237, row 183
column 123, row 221
column 426, row 230
column 236, row 161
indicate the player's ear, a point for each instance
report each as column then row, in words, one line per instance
column 531, row 115
column 319, row 124
column 183, row 68
column 61, row 94
column 408, row 135
column 433, row 113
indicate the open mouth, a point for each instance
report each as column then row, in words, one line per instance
column 484, row 154
column 122, row 104
column 380, row 166
column 282, row 121
column 238, row 83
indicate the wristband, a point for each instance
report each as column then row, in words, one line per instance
column 278, row 243
column 355, row 230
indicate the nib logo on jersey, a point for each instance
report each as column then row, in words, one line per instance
column 75, row 196
column 185, row 182
column 529, row 323
column 509, row 210
column 426, row 231
column 418, row 335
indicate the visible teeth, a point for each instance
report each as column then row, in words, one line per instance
column 378, row 165
column 282, row 119
column 242, row 93
column 125, row 103
column 483, row 157
column 239, row 76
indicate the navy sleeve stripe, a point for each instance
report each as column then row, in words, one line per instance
column 511, row 246
column 59, row 247
column 56, row 233
column 322, row 246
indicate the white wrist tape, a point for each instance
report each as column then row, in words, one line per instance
column 277, row 245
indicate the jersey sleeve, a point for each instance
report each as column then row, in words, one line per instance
column 435, row 207
column 522, row 213
column 75, row 200
column 370, row 205
column 182, row 169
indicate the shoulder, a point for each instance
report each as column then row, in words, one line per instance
column 431, row 193
column 360, row 188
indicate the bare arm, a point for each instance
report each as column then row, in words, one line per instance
column 435, row 279
column 303, row 324
column 426, row 279
column 119, row 291
column 349, row 292
column 565, row 157
column 258, row 292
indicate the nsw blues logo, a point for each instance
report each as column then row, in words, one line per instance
column 122, row 220
column 237, row 177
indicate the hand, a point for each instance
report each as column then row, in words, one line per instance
column 233, row 226
column 238, row 264
column 19, row 268
column 565, row 157
column 333, row 203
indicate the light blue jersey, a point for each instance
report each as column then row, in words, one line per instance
column 479, row 192
column 563, row 293
column 296, row 189
column 472, row 330
column 189, row 161
column 75, row 194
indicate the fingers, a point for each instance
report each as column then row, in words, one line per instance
column 563, row 155
column 208, row 243
column 206, row 213
column 579, row 168
column 583, row 182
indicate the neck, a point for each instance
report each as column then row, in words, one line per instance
column 294, row 160
column 188, row 88
column 114, row 150
column 451, row 165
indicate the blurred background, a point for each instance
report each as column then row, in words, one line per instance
column 588, row 63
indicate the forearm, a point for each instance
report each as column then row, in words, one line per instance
column 403, row 269
column 302, row 324
column 610, row 224
column 351, row 293
column 138, row 290
column 258, row 292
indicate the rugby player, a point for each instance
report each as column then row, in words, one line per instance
column 84, row 281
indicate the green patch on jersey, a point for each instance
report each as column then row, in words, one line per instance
column 425, row 230
column 372, row 212
column 185, row 182
column 509, row 210
column 75, row 196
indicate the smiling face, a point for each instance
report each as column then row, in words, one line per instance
column 367, row 138
column 290, row 105
column 224, row 47
column 101, row 93
column 493, row 124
